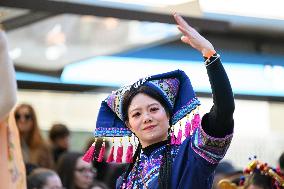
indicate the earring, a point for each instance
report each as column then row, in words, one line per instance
column 129, row 153
column 110, row 157
column 102, row 152
column 119, row 152
column 179, row 137
column 173, row 138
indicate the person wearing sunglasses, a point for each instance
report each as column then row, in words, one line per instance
column 12, row 169
column 34, row 148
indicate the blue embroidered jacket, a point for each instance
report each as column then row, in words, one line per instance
column 194, row 163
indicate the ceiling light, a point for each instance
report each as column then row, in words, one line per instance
column 55, row 35
column 111, row 23
column 55, row 52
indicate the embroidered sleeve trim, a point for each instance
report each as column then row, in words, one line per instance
column 210, row 148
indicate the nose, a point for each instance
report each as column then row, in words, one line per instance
column 147, row 118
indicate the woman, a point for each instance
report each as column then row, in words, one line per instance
column 150, row 106
column 42, row 178
column 34, row 148
column 75, row 173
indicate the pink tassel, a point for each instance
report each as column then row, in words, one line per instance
column 89, row 155
column 119, row 154
column 178, row 140
column 173, row 138
column 187, row 129
column 195, row 122
column 129, row 154
column 102, row 153
column 110, row 157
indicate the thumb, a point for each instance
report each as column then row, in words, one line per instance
column 185, row 39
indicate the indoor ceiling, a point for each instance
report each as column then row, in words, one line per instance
column 44, row 36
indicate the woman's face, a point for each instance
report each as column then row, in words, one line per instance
column 24, row 119
column 148, row 120
column 84, row 174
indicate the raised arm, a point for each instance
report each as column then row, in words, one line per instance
column 7, row 79
column 219, row 121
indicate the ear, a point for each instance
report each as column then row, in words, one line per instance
column 128, row 125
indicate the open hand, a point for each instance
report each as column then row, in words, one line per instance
column 192, row 37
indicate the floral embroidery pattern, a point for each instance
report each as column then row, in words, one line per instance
column 12, row 165
column 169, row 88
column 147, row 169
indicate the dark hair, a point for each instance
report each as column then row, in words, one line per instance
column 66, row 168
column 281, row 161
column 38, row 177
column 260, row 180
column 166, row 165
column 58, row 131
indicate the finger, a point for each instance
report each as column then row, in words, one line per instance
column 180, row 21
column 185, row 39
column 184, row 31
column 190, row 33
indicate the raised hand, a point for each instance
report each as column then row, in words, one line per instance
column 193, row 38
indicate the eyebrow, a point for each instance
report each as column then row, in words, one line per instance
column 147, row 107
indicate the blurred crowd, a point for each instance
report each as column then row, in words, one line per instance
column 49, row 162
column 51, row 165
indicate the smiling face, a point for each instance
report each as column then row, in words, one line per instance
column 147, row 119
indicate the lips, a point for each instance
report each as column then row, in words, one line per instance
column 149, row 127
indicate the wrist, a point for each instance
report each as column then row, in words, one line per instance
column 210, row 60
column 207, row 53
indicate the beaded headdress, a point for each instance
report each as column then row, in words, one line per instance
column 175, row 88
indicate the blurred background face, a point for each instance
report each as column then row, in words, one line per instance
column 63, row 142
column 53, row 182
column 24, row 119
column 84, row 174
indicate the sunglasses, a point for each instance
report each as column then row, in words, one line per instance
column 26, row 117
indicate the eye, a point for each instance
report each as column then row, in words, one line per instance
column 154, row 109
column 137, row 114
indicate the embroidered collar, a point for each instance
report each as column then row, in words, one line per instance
column 153, row 147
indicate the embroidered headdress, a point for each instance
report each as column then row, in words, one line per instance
column 175, row 88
